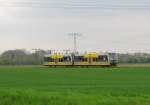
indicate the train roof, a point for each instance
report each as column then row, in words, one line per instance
column 48, row 55
column 94, row 53
column 78, row 54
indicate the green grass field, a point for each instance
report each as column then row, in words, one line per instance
column 74, row 86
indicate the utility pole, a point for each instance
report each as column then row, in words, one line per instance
column 75, row 35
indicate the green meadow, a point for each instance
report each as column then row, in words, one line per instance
column 74, row 86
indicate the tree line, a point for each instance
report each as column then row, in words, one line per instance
column 23, row 57
column 134, row 58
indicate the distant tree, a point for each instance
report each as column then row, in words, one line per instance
column 13, row 57
column 134, row 58
column 38, row 56
column 22, row 57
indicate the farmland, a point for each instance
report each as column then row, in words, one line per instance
column 74, row 86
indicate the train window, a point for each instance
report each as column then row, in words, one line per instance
column 106, row 58
column 103, row 58
column 60, row 60
column 67, row 59
column 78, row 58
column 85, row 59
column 95, row 59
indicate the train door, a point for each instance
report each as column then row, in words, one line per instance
column 93, row 59
column 90, row 60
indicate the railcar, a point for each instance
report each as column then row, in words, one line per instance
column 88, row 59
column 58, row 60
column 91, row 59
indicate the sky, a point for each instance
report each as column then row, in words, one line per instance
column 105, row 25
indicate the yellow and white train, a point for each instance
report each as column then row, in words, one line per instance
column 88, row 59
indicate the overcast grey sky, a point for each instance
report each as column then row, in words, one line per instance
column 106, row 25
